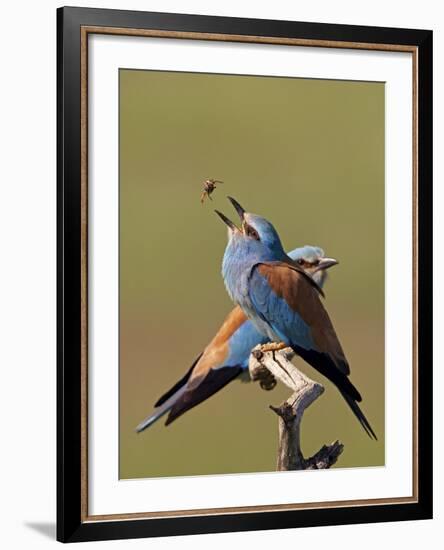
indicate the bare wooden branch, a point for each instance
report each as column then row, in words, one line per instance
column 270, row 366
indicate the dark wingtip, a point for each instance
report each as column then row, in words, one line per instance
column 176, row 411
column 178, row 384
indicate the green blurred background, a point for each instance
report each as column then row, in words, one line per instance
column 308, row 155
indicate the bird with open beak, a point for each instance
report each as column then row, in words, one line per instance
column 283, row 301
column 226, row 357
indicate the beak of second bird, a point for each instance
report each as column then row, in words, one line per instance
column 325, row 263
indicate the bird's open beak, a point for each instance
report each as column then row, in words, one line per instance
column 238, row 208
column 326, row 263
column 230, row 224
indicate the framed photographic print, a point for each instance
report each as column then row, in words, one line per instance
column 244, row 274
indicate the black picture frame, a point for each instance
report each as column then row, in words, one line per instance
column 71, row 523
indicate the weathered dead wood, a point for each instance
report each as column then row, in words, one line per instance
column 270, row 366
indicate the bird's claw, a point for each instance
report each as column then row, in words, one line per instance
column 268, row 384
column 266, row 380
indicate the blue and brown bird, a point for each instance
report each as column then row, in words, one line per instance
column 284, row 302
column 226, row 356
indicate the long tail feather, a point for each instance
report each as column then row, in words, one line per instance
column 359, row 415
column 323, row 364
column 160, row 411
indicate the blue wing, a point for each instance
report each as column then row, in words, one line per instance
column 283, row 300
column 242, row 342
column 272, row 307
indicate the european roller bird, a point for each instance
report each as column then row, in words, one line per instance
column 283, row 302
column 226, row 356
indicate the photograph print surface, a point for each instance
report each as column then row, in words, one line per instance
column 306, row 155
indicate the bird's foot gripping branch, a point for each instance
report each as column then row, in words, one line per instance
column 290, row 413
column 262, row 375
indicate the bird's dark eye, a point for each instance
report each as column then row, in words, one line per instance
column 251, row 232
column 301, row 262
